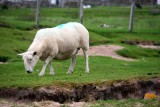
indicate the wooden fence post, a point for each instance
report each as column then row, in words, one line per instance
column 81, row 11
column 131, row 16
column 37, row 13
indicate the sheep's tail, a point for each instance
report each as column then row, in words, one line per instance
column 84, row 38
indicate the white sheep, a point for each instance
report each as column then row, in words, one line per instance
column 59, row 43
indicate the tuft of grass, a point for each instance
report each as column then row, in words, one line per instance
column 97, row 39
column 138, row 52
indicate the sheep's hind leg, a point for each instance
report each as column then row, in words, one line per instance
column 72, row 65
column 86, row 60
column 51, row 69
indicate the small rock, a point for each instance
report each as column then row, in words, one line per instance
column 105, row 25
column 150, row 95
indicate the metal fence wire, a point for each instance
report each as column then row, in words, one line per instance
column 114, row 14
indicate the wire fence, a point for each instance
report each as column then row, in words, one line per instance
column 111, row 14
column 75, row 3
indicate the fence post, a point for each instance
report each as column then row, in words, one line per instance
column 81, row 11
column 109, row 6
column 37, row 13
column 131, row 15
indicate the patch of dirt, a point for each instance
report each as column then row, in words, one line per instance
column 76, row 104
column 140, row 42
column 10, row 102
column 103, row 50
column 84, row 93
column 24, row 103
column 3, row 63
column 149, row 46
column 47, row 104
column 143, row 44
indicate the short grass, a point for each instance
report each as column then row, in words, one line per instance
column 101, row 69
column 17, row 30
column 117, row 17
column 127, row 103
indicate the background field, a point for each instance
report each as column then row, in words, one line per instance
column 17, row 31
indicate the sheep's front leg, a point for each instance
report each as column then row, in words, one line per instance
column 47, row 61
column 72, row 65
column 51, row 69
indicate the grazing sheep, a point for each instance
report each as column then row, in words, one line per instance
column 59, row 43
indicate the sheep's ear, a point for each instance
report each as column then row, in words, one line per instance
column 34, row 53
column 21, row 54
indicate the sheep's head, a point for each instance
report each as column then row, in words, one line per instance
column 30, row 59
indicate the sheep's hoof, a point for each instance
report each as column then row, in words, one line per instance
column 52, row 74
column 40, row 75
column 69, row 72
column 87, row 72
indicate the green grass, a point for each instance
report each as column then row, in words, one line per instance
column 127, row 103
column 17, row 30
column 101, row 69
column 138, row 52
column 114, row 16
column 14, row 41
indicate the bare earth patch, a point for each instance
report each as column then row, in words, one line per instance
column 149, row 46
column 1, row 62
column 143, row 44
column 78, row 96
column 106, row 50
column 15, row 103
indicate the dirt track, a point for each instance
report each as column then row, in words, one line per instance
column 103, row 50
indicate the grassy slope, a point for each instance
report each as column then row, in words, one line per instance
column 16, row 38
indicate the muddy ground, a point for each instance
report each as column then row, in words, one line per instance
column 25, row 103
column 85, row 92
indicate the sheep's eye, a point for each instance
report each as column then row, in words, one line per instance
column 30, row 60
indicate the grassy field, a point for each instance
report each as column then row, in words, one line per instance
column 17, row 30
column 101, row 69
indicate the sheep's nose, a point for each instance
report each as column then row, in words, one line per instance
column 28, row 72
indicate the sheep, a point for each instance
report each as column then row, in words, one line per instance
column 60, row 43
